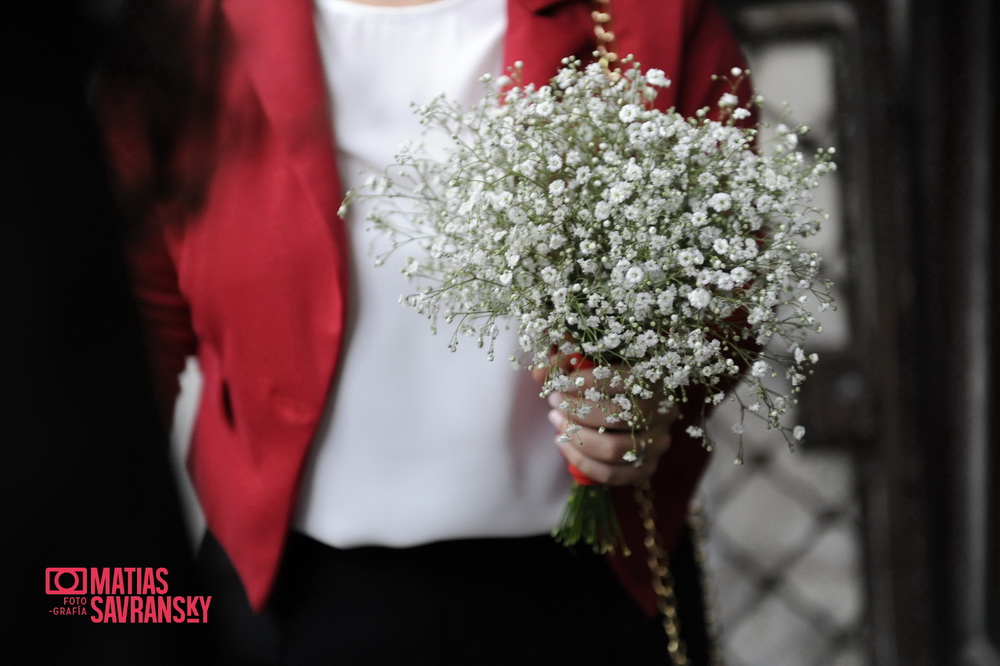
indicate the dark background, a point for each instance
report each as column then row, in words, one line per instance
column 85, row 470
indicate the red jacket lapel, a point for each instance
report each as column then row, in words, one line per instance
column 277, row 41
column 540, row 33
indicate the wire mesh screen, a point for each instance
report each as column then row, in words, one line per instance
column 784, row 534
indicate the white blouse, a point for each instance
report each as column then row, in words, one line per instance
column 419, row 443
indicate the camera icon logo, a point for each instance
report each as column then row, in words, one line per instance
column 66, row 580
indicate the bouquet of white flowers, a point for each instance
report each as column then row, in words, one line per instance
column 663, row 250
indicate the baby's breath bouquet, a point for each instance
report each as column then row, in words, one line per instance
column 662, row 250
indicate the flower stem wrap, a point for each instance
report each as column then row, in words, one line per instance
column 590, row 517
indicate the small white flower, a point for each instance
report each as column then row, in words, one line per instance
column 633, row 172
column 689, row 257
column 759, row 369
column 728, row 101
column 665, row 300
column 699, row 298
column 602, row 210
column 657, row 77
column 545, row 108
column 721, row 201
column 517, row 215
column 601, row 372
column 725, row 281
column 629, row 113
column 618, row 193
column 740, row 275
column 764, row 203
column 695, row 432
column 634, row 276
column 798, row 432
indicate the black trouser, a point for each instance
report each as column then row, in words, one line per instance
column 481, row 601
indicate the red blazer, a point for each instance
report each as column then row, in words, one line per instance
column 255, row 281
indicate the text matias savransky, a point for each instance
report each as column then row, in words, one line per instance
column 124, row 595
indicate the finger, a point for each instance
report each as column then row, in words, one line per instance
column 584, row 412
column 614, row 474
column 604, row 414
column 608, row 447
column 610, row 457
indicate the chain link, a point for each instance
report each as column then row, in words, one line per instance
column 658, row 560
column 699, row 538
column 663, row 581
column 606, row 50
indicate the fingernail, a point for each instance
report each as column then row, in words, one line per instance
column 557, row 419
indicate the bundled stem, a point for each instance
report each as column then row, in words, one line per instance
column 589, row 517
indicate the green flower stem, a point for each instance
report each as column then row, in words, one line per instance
column 590, row 517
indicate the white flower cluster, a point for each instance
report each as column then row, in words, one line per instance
column 663, row 248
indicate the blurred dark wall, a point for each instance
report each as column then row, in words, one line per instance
column 923, row 80
column 956, row 221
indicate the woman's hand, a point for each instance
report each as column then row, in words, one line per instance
column 613, row 455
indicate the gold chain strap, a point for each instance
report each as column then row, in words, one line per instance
column 699, row 538
column 663, row 581
column 658, row 559
column 603, row 31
